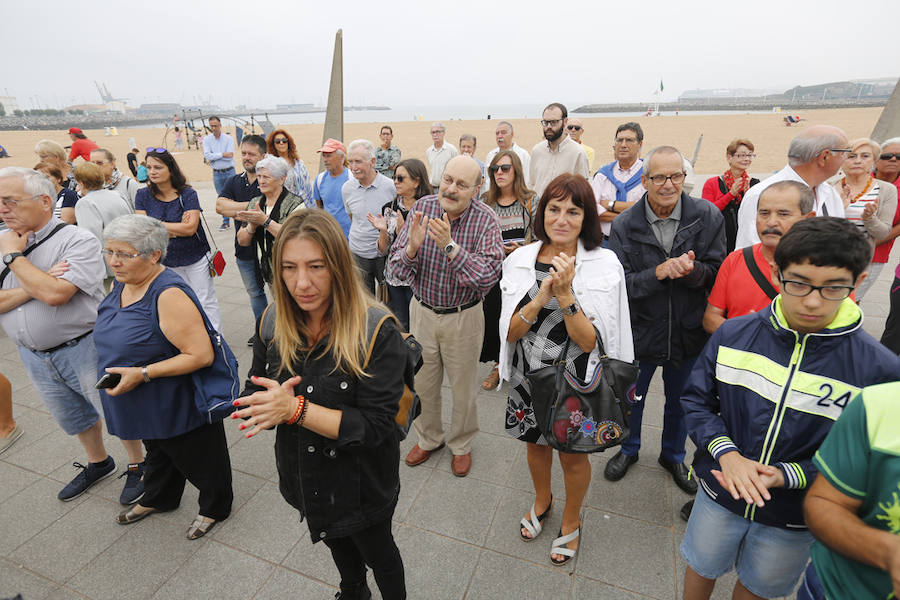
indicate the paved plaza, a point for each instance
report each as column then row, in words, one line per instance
column 459, row 537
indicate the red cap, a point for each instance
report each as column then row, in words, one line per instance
column 75, row 130
column 332, row 145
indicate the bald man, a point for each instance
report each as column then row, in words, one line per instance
column 575, row 129
column 813, row 157
column 451, row 252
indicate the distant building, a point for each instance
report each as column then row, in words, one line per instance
column 160, row 107
column 9, row 103
column 306, row 106
column 115, row 106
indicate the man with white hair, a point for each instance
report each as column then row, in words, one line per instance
column 438, row 154
column 365, row 195
column 813, row 157
column 504, row 136
column 52, row 284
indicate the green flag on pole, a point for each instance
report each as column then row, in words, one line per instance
column 660, row 85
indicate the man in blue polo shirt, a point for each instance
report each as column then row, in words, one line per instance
column 327, row 187
column 235, row 196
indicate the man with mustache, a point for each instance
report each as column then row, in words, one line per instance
column 558, row 153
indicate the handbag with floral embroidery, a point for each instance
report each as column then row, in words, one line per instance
column 580, row 417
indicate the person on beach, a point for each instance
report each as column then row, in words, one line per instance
column 281, row 144
column 505, row 141
column 114, row 179
column 236, row 195
column 387, row 155
column 133, row 162
column 98, row 206
column 887, row 167
column 218, row 152
column 365, row 195
column 439, row 153
column 727, row 190
column 81, row 145
column 179, row 139
column 337, row 446
column 48, row 307
column 813, row 157
column 468, row 143
column 329, row 183
column 575, row 130
column 617, row 185
column 51, row 152
column 66, row 199
column 450, row 250
column 557, row 154
column 671, row 246
column 870, row 204
column 763, row 395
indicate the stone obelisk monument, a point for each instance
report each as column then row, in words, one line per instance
column 888, row 124
column 334, row 114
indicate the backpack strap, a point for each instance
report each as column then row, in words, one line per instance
column 757, row 275
column 266, row 329
column 722, row 187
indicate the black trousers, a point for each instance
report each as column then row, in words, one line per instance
column 199, row 456
column 376, row 548
column 891, row 335
column 371, row 270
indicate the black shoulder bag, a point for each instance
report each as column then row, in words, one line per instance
column 757, row 275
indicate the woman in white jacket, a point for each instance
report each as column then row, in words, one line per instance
column 559, row 288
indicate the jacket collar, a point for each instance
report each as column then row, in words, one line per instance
column 639, row 227
column 848, row 319
column 527, row 255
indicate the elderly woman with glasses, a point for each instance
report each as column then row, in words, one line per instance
column 727, row 190
column 151, row 335
column 281, row 144
column 171, row 200
column 887, row 167
column 266, row 212
column 870, row 204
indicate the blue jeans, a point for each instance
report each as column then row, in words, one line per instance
column 674, row 433
column 399, row 299
column 219, row 179
column 251, row 275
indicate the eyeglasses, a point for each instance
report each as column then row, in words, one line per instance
column 399, row 178
column 827, row 292
column 573, row 127
column 119, row 255
column 156, row 150
column 660, row 180
column 11, row 203
column 504, row 168
column 436, row 131
column 744, row 156
column 840, row 150
column 553, row 123
column 460, row 184
column 889, row 156
column 280, row 141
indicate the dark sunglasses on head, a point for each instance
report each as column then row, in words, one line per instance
column 890, row 155
column 573, row 127
column 495, row 168
column 280, row 140
column 399, row 178
column 156, row 150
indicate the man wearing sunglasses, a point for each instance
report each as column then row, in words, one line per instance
column 763, row 395
column 813, row 157
column 557, row 154
column 218, row 150
column 575, row 129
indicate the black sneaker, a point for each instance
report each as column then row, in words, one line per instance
column 89, row 475
column 250, row 341
column 134, row 484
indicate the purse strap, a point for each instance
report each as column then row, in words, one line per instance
column 210, row 237
column 561, row 359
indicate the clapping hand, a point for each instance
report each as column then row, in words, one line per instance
column 736, row 188
column 267, row 408
column 869, row 210
column 562, row 273
column 255, row 216
column 747, row 479
column 417, row 228
column 439, row 230
column 378, row 222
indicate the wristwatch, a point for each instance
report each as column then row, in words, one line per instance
column 448, row 249
column 569, row 310
column 612, row 206
column 8, row 258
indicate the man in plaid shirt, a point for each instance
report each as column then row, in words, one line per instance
column 450, row 251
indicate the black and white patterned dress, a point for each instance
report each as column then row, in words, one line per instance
column 540, row 347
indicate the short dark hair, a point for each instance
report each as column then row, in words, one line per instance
column 576, row 187
column 214, row 118
column 177, row 178
column 806, row 200
column 256, row 140
column 631, row 126
column 561, row 107
column 388, row 127
column 825, row 242
column 417, row 170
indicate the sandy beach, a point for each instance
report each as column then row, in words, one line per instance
column 766, row 131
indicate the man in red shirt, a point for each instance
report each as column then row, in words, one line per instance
column 81, row 145
column 736, row 291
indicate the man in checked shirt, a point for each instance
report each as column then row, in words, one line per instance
column 450, row 251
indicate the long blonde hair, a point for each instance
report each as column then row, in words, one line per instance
column 349, row 300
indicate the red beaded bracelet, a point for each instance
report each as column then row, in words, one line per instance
column 301, row 402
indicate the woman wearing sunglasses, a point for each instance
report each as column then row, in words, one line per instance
column 515, row 206
column 411, row 183
column 171, row 200
column 282, row 145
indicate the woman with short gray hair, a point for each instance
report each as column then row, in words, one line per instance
column 151, row 335
column 266, row 212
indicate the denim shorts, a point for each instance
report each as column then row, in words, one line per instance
column 769, row 560
column 65, row 381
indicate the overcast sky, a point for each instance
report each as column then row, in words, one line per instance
column 427, row 53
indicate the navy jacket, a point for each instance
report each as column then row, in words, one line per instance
column 773, row 394
column 667, row 315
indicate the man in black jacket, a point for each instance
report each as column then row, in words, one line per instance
column 671, row 246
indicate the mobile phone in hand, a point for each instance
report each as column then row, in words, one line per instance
column 110, row 380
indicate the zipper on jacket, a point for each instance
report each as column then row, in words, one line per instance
column 780, row 409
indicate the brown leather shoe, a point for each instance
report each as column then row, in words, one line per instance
column 461, row 464
column 417, row 456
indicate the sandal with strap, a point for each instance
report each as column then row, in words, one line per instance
column 492, row 380
column 533, row 524
column 131, row 515
column 559, row 547
column 199, row 528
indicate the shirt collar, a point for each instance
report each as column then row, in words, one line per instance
column 44, row 231
column 653, row 218
column 638, row 165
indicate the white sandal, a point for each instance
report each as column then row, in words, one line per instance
column 559, row 546
column 533, row 524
